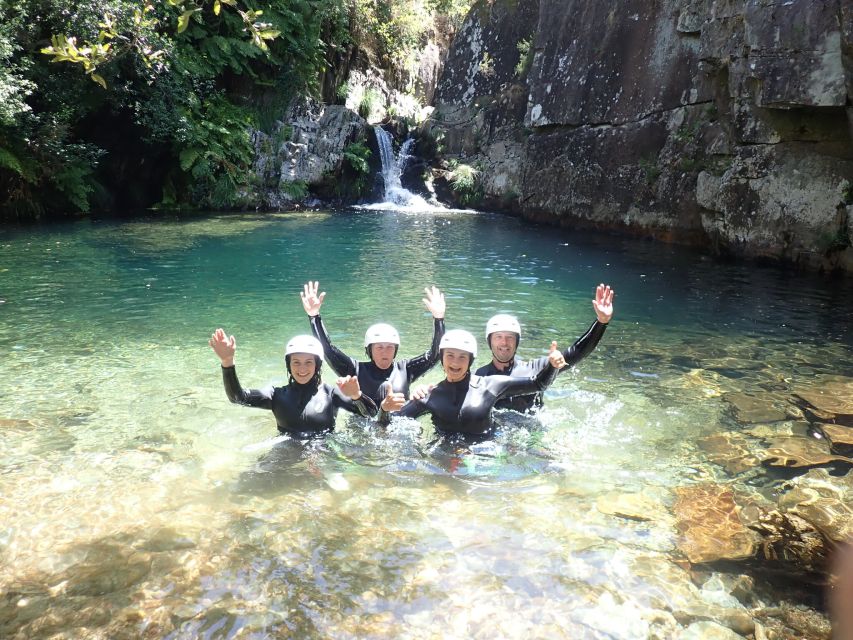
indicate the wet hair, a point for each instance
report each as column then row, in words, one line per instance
column 318, row 364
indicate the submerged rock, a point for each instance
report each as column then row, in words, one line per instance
column 840, row 438
column 710, row 525
column 789, row 539
column 631, row 506
column 800, row 452
column 107, row 568
column 749, row 408
column 830, row 395
column 167, row 539
column 729, row 450
column 708, row 631
column 19, row 425
column 824, row 501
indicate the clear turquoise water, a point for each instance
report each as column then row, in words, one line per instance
column 136, row 502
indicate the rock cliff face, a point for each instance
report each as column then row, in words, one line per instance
column 302, row 152
column 719, row 122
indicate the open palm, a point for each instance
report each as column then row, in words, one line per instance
column 603, row 303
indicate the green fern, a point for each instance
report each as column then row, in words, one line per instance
column 9, row 161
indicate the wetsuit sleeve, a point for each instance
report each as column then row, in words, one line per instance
column 584, row 345
column 342, row 364
column 412, row 409
column 364, row 406
column 247, row 397
column 416, row 367
column 504, row 386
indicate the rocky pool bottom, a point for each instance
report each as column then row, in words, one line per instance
column 443, row 543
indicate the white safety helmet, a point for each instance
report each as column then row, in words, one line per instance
column 459, row 339
column 304, row 344
column 502, row 322
column 381, row 333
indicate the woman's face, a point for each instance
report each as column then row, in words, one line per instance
column 302, row 367
column 455, row 363
column 382, row 354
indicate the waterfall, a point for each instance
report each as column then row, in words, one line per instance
column 392, row 169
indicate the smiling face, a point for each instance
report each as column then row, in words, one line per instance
column 382, row 354
column 456, row 364
column 303, row 366
column 503, row 345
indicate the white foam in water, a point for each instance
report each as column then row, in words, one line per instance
column 397, row 198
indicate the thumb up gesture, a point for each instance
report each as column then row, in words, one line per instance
column 555, row 356
column 392, row 401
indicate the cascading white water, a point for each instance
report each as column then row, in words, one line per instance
column 392, row 169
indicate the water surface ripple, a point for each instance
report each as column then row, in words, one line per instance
column 136, row 502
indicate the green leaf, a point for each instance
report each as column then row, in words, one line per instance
column 217, row 6
column 188, row 158
column 99, row 80
column 184, row 20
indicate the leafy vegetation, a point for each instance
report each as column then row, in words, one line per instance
column 465, row 182
column 370, row 101
column 128, row 104
column 651, row 168
column 297, row 189
column 525, row 57
column 357, row 157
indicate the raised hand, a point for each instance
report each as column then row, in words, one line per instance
column 555, row 356
column 421, row 391
column 392, row 401
column 224, row 346
column 434, row 302
column 311, row 302
column 603, row 303
column 349, row 387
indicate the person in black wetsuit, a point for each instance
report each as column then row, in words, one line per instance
column 503, row 334
column 462, row 403
column 381, row 342
column 306, row 405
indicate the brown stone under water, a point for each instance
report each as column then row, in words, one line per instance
column 800, row 452
column 829, row 394
column 710, row 526
column 749, row 408
column 840, row 438
column 824, row 501
column 730, row 451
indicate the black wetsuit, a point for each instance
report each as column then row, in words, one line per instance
column 401, row 374
column 300, row 409
column 519, row 368
column 465, row 407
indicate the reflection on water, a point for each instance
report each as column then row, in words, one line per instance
column 136, row 502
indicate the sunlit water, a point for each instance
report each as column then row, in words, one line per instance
column 135, row 501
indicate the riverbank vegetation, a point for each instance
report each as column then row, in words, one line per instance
column 132, row 104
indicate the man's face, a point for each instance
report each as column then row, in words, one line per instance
column 382, row 354
column 503, row 345
column 302, row 367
